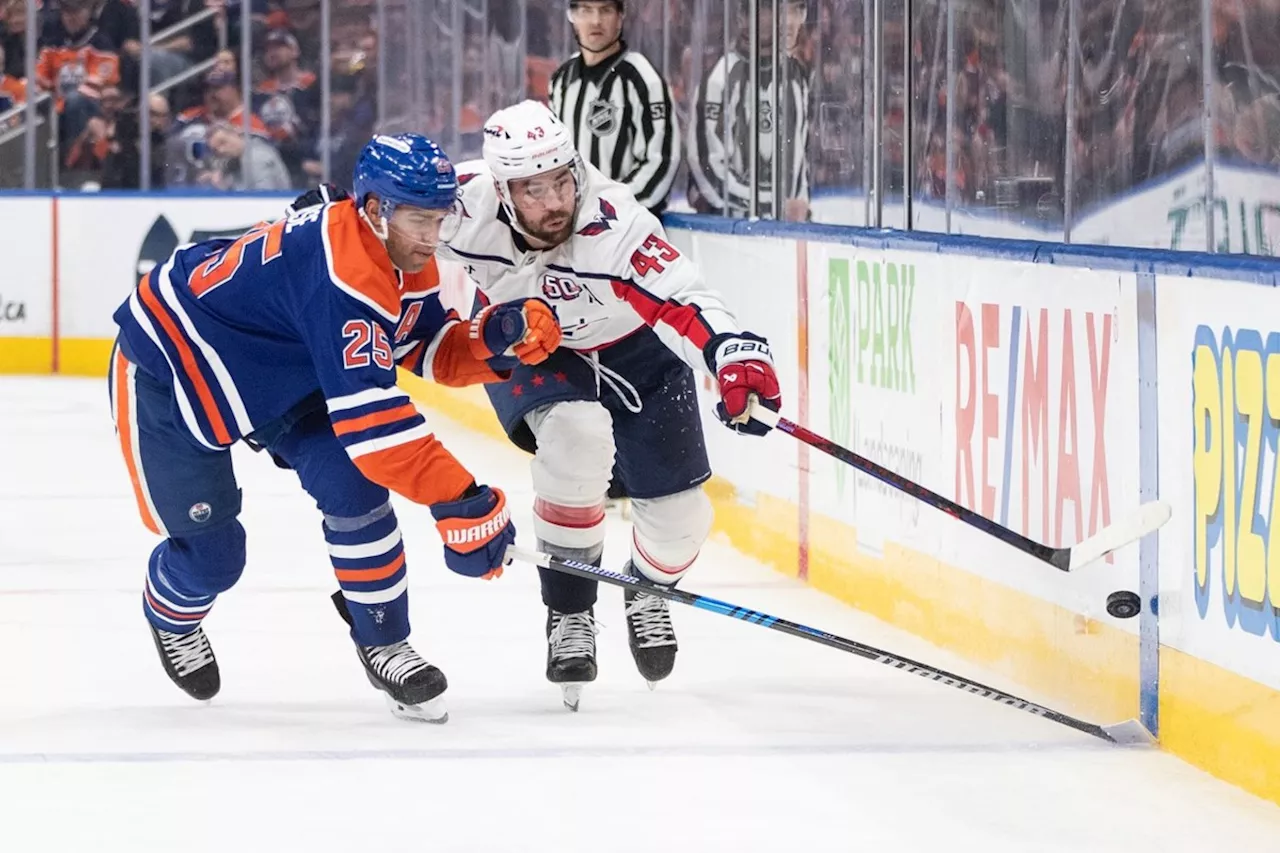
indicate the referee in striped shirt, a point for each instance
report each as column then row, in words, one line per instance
column 724, row 106
column 617, row 106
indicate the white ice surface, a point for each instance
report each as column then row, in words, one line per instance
column 759, row 741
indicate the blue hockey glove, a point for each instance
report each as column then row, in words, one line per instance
column 476, row 530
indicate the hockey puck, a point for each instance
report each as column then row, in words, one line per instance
column 1123, row 604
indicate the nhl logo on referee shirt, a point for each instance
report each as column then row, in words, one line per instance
column 602, row 117
column 200, row 513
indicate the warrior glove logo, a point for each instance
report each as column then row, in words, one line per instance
column 472, row 537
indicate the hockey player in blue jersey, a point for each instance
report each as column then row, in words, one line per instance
column 288, row 338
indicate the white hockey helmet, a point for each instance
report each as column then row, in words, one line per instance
column 525, row 140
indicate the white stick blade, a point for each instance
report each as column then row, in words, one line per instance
column 1129, row 733
column 1148, row 518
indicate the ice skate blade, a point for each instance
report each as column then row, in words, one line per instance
column 572, row 695
column 431, row 711
column 653, row 685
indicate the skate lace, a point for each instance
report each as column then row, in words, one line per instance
column 651, row 621
column 396, row 662
column 572, row 636
column 187, row 652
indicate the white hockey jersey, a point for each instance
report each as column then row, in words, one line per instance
column 616, row 273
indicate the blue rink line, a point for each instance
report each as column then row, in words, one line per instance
column 1021, row 747
column 1254, row 269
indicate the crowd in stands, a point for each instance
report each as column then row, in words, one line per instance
column 1137, row 106
column 89, row 62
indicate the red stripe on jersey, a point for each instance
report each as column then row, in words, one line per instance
column 576, row 517
column 685, row 319
column 666, row 570
column 187, row 358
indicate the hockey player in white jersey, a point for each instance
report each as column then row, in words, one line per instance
column 638, row 319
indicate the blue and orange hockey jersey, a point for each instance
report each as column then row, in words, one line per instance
column 299, row 311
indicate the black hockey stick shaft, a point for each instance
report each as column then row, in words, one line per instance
column 755, row 617
column 1059, row 558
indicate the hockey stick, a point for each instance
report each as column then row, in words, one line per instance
column 1126, row 733
column 1146, row 519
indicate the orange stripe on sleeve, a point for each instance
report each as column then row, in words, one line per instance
column 188, row 359
column 376, row 419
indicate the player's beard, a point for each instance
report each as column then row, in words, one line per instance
column 542, row 235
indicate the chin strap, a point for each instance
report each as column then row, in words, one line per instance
column 380, row 233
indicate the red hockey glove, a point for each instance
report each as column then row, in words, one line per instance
column 525, row 328
column 744, row 369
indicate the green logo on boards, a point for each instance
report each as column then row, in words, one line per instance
column 876, row 300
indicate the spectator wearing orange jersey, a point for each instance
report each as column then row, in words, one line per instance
column 76, row 60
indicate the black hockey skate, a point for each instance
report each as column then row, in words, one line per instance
column 413, row 687
column 189, row 662
column 649, row 630
column 571, row 652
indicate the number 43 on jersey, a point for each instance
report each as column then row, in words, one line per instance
column 651, row 256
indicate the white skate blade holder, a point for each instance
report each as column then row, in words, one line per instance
column 431, row 711
column 571, row 693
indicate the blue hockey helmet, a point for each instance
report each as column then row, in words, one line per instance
column 407, row 169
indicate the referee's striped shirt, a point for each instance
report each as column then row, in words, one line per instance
column 623, row 121
column 719, row 144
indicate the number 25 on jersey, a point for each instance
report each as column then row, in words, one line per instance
column 366, row 343
column 222, row 267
